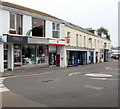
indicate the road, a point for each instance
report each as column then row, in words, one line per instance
column 81, row 86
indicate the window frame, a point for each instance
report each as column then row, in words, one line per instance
column 43, row 24
column 14, row 29
column 56, row 29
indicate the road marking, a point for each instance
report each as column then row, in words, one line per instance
column 105, row 79
column 75, row 73
column 93, row 87
column 98, row 75
column 108, row 68
column 100, row 78
column 2, row 87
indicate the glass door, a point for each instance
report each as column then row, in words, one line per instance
column 52, row 58
column 5, row 56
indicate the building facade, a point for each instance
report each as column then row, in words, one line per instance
column 84, row 47
column 29, row 38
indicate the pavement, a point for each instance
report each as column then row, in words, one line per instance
column 29, row 71
column 18, row 101
column 38, row 70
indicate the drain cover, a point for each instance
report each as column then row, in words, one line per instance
column 47, row 80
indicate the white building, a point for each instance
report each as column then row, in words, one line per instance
column 30, row 38
column 115, row 51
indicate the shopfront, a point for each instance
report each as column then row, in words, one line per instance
column 91, row 57
column 27, row 54
column 21, row 51
column 106, row 55
column 55, row 47
column 5, row 56
column 76, row 57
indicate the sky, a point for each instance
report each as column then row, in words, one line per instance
column 85, row 13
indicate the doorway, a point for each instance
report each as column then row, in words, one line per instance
column 52, row 58
column 5, row 56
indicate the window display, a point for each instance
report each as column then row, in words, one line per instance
column 5, row 56
column 34, row 54
column 42, row 54
column 17, row 55
column 28, row 54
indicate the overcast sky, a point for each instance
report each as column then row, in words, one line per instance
column 85, row 13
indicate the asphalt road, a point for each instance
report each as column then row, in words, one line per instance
column 82, row 86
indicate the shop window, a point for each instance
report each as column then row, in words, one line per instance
column 42, row 54
column 17, row 55
column 56, row 30
column 28, row 54
column 15, row 24
column 38, row 27
column 5, row 56
column 34, row 54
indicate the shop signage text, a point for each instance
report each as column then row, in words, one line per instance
column 17, row 39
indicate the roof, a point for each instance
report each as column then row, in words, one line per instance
column 11, row 5
column 116, row 48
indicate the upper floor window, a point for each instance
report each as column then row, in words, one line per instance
column 16, row 23
column 68, row 34
column 105, row 45
column 38, row 27
column 12, row 21
column 76, row 39
column 56, row 30
column 84, row 41
column 98, row 43
column 95, row 43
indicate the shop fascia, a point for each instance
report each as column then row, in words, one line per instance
column 56, row 42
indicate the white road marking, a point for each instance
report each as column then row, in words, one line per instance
column 2, row 87
column 108, row 68
column 100, row 78
column 98, row 75
column 93, row 87
column 75, row 73
column 105, row 79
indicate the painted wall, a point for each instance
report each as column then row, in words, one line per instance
column 48, row 28
column 27, row 23
column 5, row 21
column 63, row 59
column 98, row 46
column 1, row 58
column 0, row 20
column 62, row 36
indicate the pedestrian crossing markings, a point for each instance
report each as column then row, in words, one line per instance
column 2, row 87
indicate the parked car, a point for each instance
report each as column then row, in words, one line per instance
column 113, row 57
column 117, row 57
